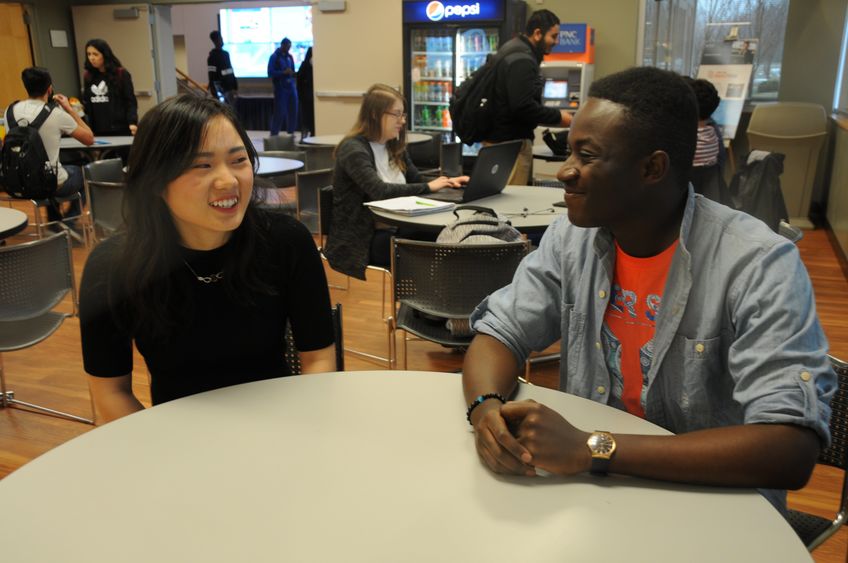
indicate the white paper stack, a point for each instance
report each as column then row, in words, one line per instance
column 411, row 205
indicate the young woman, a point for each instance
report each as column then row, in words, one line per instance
column 108, row 95
column 372, row 164
column 201, row 280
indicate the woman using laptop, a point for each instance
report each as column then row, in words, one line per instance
column 201, row 280
column 372, row 164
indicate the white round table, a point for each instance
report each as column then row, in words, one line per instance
column 333, row 140
column 101, row 146
column 12, row 221
column 274, row 165
column 356, row 467
column 530, row 209
column 100, row 143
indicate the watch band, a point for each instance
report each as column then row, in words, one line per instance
column 600, row 466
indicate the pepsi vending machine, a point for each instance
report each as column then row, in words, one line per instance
column 443, row 43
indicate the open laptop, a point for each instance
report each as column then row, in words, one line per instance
column 488, row 177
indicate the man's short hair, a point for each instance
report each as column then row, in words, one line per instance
column 660, row 112
column 285, row 40
column 541, row 19
column 706, row 96
column 36, row 80
column 215, row 35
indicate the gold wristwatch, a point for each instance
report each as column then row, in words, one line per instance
column 601, row 445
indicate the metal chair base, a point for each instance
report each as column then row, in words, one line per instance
column 7, row 399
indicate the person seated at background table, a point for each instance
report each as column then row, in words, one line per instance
column 108, row 94
column 372, row 164
column 201, row 280
column 65, row 121
column 709, row 150
column 670, row 306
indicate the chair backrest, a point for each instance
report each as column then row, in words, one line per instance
column 450, row 159
column 281, row 142
column 450, row 280
column 35, row 276
column 798, row 131
column 111, row 170
column 293, row 154
column 106, row 202
column 319, row 157
column 308, row 184
column 425, row 155
column 292, row 356
column 325, row 213
column 837, row 454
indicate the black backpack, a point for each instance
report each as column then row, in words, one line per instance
column 472, row 108
column 25, row 169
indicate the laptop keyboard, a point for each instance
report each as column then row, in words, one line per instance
column 453, row 195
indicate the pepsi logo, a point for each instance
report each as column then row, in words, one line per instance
column 435, row 10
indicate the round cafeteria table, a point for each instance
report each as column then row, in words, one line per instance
column 333, row 140
column 101, row 145
column 530, row 209
column 350, row 467
column 12, row 221
column 273, row 165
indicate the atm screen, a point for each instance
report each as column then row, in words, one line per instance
column 555, row 90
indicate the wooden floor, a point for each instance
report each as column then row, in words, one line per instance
column 51, row 373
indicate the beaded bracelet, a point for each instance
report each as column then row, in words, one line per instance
column 479, row 401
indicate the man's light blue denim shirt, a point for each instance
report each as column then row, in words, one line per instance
column 737, row 337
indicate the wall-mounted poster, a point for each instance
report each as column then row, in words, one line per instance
column 728, row 65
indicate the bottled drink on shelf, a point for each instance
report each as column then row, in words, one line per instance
column 439, row 69
column 446, row 120
column 425, row 116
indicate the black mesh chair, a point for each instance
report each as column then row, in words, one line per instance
column 437, row 286
column 814, row 530
column 292, row 356
column 104, row 186
column 36, row 276
column 281, row 142
column 307, row 186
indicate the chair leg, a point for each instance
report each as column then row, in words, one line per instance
column 405, row 354
column 7, row 399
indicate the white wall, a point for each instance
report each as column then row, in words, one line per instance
column 353, row 50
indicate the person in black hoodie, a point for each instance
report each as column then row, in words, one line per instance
column 108, row 94
column 222, row 77
column 304, row 95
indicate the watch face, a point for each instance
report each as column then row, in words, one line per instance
column 601, row 443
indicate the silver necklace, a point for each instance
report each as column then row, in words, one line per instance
column 205, row 279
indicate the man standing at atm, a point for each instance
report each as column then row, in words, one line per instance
column 518, row 91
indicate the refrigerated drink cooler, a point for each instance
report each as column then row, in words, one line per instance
column 444, row 46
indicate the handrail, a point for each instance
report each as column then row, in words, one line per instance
column 190, row 80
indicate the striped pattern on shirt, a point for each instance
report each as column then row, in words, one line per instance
column 706, row 150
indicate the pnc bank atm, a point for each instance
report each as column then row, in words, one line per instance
column 567, row 73
column 566, row 83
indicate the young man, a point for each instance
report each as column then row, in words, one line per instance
column 222, row 77
column 670, row 306
column 282, row 73
column 62, row 120
column 518, row 91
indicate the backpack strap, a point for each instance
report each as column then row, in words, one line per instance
column 478, row 208
column 10, row 115
column 42, row 115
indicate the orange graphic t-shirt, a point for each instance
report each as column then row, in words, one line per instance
column 630, row 322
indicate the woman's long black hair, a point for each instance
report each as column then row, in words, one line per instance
column 169, row 136
column 110, row 61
